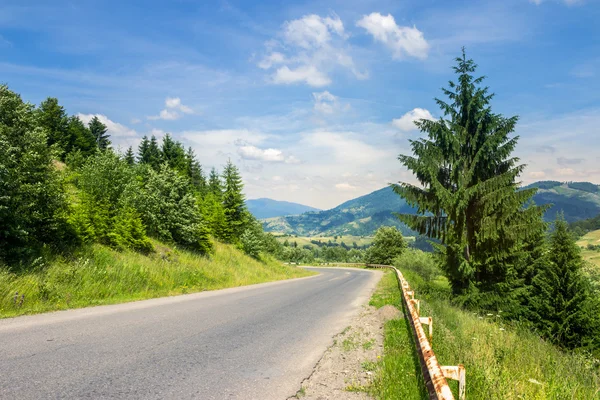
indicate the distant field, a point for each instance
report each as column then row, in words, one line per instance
column 348, row 240
column 592, row 256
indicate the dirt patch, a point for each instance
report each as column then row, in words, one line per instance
column 347, row 367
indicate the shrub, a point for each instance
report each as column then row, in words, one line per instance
column 388, row 244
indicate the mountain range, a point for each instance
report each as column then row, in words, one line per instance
column 268, row 208
column 363, row 215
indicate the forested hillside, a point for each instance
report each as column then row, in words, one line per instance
column 64, row 190
column 363, row 215
column 269, row 208
column 360, row 216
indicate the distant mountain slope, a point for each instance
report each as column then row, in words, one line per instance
column 363, row 215
column 360, row 216
column 268, row 208
column 577, row 200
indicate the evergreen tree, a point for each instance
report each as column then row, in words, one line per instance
column 470, row 198
column 129, row 157
column 143, row 155
column 53, row 118
column 173, row 153
column 154, row 155
column 233, row 203
column 32, row 199
column 193, row 170
column 563, row 307
column 215, row 186
column 98, row 130
column 85, row 142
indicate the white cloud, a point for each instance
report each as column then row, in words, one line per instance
column 308, row 74
column 325, row 102
column 308, row 50
column 345, row 147
column 407, row 121
column 254, row 153
column 402, row 40
column 172, row 111
column 345, row 186
column 113, row 128
column 537, row 174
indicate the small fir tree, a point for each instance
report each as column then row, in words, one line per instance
column 98, row 130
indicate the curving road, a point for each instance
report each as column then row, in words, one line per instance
column 253, row 342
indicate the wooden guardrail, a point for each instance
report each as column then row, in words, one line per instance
column 434, row 374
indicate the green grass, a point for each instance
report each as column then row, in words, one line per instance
column 398, row 375
column 99, row 275
column 592, row 256
column 502, row 361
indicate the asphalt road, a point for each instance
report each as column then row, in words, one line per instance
column 254, row 342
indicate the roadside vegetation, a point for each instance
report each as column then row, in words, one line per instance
column 96, row 274
column 84, row 224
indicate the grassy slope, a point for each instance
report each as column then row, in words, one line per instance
column 99, row 275
column 502, row 362
column 592, row 256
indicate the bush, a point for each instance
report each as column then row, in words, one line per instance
column 420, row 262
column 388, row 244
column 251, row 243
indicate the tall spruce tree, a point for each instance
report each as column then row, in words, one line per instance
column 233, row 203
column 564, row 311
column 173, row 153
column 98, row 130
column 143, row 150
column 85, row 142
column 53, row 117
column 193, row 170
column 470, row 198
column 215, row 186
column 129, row 156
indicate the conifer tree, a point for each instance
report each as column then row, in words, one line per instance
column 562, row 299
column 173, row 154
column 98, row 130
column 193, row 170
column 53, row 118
column 149, row 153
column 84, row 140
column 129, row 157
column 233, row 203
column 470, row 198
column 143, row 150
column 215, row 185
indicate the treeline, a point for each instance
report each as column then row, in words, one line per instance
column 582, row 227
column 98, row 195
column 494, row 247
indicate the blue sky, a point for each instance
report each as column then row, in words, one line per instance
column 313, row 100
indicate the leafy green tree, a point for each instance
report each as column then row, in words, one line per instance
column 564, row 310
column 236, row 215
column 470, row 198
column 98, row 130
column 53, row 118
column 388, row 244
column 215, row 186
column 130, row 157
column 32, row 199
column 173, row 153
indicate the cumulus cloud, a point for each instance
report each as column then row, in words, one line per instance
column 113, row 128
column 407, row 121
column 402, row 40
column 307, row 50
column 173, row 110
column 345, row 147
column 249, row 152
